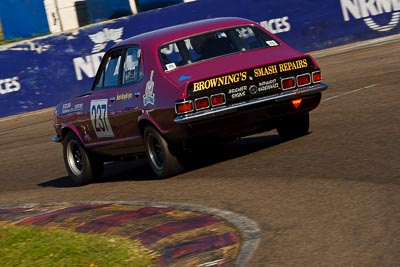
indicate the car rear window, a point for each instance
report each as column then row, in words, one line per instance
column 213, row 44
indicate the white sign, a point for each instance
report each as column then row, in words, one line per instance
column 367, row 9
column 99, row 118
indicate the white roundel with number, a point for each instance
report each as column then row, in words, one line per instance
column 99, row 118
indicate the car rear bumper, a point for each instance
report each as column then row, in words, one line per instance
column 220, row 111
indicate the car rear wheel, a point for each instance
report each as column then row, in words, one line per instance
column 294, row 126
column 162, row 161
column 81, row 167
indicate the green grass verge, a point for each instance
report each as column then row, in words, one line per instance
column 33, row 246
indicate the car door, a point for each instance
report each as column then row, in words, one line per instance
column 127, row 99
column 102, row 101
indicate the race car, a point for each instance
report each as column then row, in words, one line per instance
column 159, row 93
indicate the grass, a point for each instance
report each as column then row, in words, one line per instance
column 1, row 34
column 32, row 246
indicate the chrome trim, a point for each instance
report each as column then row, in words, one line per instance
column 56, row 139
column 219, row 111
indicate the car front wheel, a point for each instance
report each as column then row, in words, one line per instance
column 81, row 167
column 162, row 161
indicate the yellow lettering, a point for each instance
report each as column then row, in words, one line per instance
column 220, row 81
column 293, row 65
column 282, row 67
column 272, row 69
column 264, row 71
column 243, row 76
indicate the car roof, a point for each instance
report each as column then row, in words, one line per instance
column 168, row 34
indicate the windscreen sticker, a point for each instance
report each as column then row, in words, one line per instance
column 170, row 66
column 99, row 118
column 272, row 43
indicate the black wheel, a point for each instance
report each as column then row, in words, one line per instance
column 294, row 126
column 81, row 167
column 162, row 161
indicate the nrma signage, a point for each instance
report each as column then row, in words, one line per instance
column 372, row 11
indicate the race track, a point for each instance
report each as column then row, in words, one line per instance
column 331, row 198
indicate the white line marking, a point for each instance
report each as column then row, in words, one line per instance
column 347, row 93
column 210, row 263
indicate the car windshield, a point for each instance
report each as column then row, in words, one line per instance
column 213, row 44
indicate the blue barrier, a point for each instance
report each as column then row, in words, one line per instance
column 39, row 73
column 23, row 18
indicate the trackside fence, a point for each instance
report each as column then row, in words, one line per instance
column 41, row 72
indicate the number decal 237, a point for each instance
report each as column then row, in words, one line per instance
column 99, row 118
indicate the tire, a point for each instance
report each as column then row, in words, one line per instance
column 162, row 161
column 81, row 167
column 294, row 126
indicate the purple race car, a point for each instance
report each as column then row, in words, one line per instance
column 161, row 92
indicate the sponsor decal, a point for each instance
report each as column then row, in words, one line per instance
column 149, row 96
column 253, row 89
column 125, row 96
column 369, row 10
column 282, row 67
column 99, row 118
column 67, row 108
column 240, row 77
column 9, row 85
column 263, row 71
column 220, row 81
column 293, row 65
column 268, row 85
column 277, row 25
column 184, row 77
column 262, row 87
column 103, row 37
column 238, row 92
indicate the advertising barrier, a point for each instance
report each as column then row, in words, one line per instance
column 39, row 73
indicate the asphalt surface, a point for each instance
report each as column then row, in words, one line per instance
column 331, row 198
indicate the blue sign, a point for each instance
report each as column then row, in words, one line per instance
column 40, row 73
column 23, row 18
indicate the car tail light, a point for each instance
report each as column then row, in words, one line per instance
column 217, row 100
column 288, row 83
column 202, row 103
column 316, row 76
column 184, row 107
column 303, row 79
